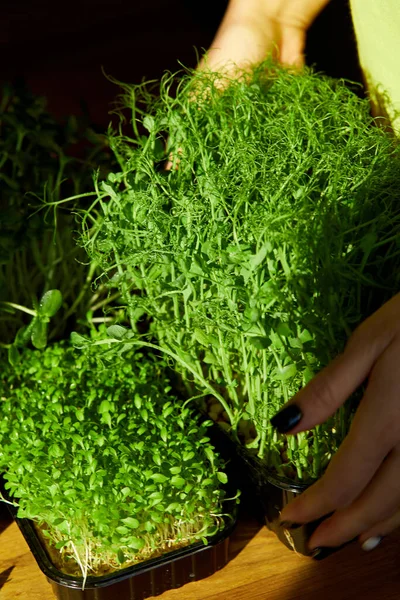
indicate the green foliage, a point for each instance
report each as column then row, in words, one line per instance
column 273, row 234
column 102, row 456
column 36, row 331
column 42, row 160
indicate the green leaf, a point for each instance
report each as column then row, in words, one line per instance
column 284, row 330
column 63, row 526
column 157, row 459
column 80, row 414
column 148, row 123
column 39, row 333
column 173, row 507
column 104, row 407
column 108, row 189
column 188, row 456
column 78, row 340
column 257, row 259
column 252, row 314
column 50, row 303
column 207, row 481
column 121, row 556
column 308, row 374
column 286, row 372
column 168, row 411
column 201, row 337
column 305, row 336
column 259, row 342
column 56, row 451
column 117, row 331
column 156, row 495
column 136, row 543
column 159, row 478
column 209, row 452
column 60, row 545
column 295, row 343
column 131, row 522
column 23, row 335
column 210, row 358
column 53, row 489
column 177, row 481
column 276, row 340
column 106, row 418
column 76, row 438
column 175, row 470
column 13, row 355
column 222, row 477
column 122, row 530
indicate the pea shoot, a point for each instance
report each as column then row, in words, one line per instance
column 274, row 233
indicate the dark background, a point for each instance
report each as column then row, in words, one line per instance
column 60, row 48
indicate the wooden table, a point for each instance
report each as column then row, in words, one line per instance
column 260, row 568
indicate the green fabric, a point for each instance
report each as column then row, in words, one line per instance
column 377, row 27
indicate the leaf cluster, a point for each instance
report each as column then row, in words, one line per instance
column 272, row 235
column 42, row 160
column 103, row 457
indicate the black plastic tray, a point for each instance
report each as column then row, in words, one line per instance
column 272, row 494
column 148, row 578
column 264, row 494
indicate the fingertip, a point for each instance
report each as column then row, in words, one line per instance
column 371, row 543
column 287, row 418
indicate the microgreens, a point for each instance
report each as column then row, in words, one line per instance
column 40, row 162
column 112, row 468
column 275, row 232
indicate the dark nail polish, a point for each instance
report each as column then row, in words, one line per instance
column 321, row 553
column 290, row 525
column 287, row 418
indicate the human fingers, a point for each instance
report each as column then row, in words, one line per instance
column 375, row 431
column 372, row 538
column 291, row 47
column 377, row 504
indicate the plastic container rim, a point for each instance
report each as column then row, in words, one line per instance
column 35, row 545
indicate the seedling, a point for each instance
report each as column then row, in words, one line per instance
column 110, row 466
column 274, row 233
column 40, row 162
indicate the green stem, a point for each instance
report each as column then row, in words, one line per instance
column 83, row 290
column 125, row 292
column 248, row 390
column 28, row 311
column 104, row 302
column 265, row 407
column 316, row 452
column 227, row 372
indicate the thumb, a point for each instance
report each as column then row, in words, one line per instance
column 324, row 394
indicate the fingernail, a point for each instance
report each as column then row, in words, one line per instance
column 371, row 543
column 290, row 525
column 321, row 553
column 287, row 418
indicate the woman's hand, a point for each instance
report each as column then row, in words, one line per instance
column 362, row 483
column 252, row 29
